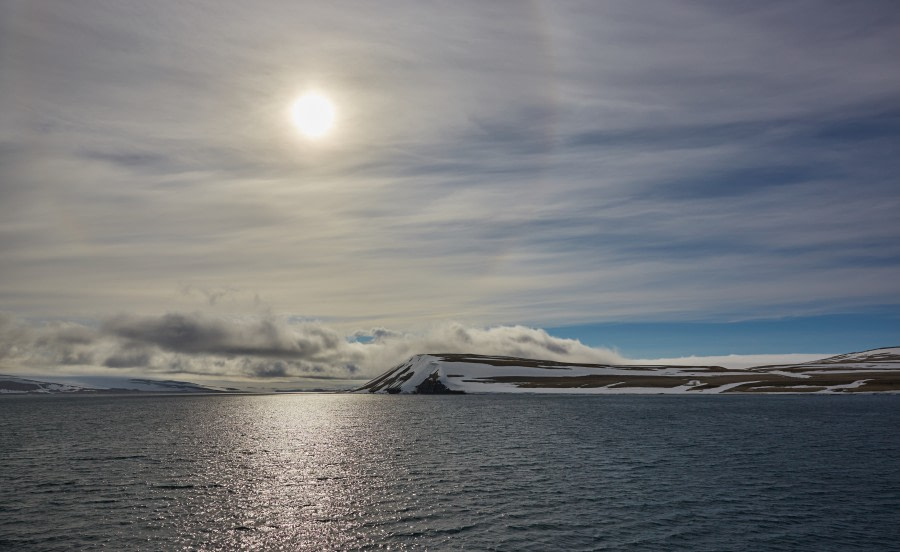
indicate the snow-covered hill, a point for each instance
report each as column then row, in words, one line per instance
column 888, row 357
column 17, row 385
column 88, row 384
column 877, row 370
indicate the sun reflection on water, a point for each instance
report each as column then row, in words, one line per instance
column 349, row 472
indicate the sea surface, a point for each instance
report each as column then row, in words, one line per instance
column 506, row 472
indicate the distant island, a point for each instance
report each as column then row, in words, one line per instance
column 18, row 385
column 876, row 370
column 873, row 371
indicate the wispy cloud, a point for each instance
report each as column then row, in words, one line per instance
column 539, row 163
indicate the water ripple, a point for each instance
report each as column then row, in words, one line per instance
column 342, row 472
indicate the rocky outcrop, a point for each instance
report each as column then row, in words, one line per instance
column 432, row 385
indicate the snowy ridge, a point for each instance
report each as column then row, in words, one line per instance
column 868, row 371
column 453, row 373
column 17, row 385
column 888, row 355
column 407, row 377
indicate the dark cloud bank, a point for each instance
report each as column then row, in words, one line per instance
column 257, row 348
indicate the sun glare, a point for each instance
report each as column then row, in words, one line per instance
column 313, row 115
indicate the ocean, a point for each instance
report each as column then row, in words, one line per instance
column 472, row 472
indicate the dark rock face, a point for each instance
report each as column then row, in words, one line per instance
column 432, row 385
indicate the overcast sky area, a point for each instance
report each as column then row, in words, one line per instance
column 617, row 173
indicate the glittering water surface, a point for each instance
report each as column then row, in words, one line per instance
column 347, row 472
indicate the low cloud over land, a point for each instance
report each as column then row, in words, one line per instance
column 263, row 347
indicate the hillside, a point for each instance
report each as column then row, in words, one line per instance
column 17, row 385
column 877, row 370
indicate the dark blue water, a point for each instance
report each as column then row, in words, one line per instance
column 347, row 472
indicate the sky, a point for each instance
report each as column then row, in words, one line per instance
column 598, row 181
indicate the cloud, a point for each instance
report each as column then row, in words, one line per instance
column 261, row 348
column 197, row 334
column 140, row 358
column 615, row 160
column 265, row 349
column 14, row 337
column 53, row 344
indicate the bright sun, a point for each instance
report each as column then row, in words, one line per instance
column 313, row 114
